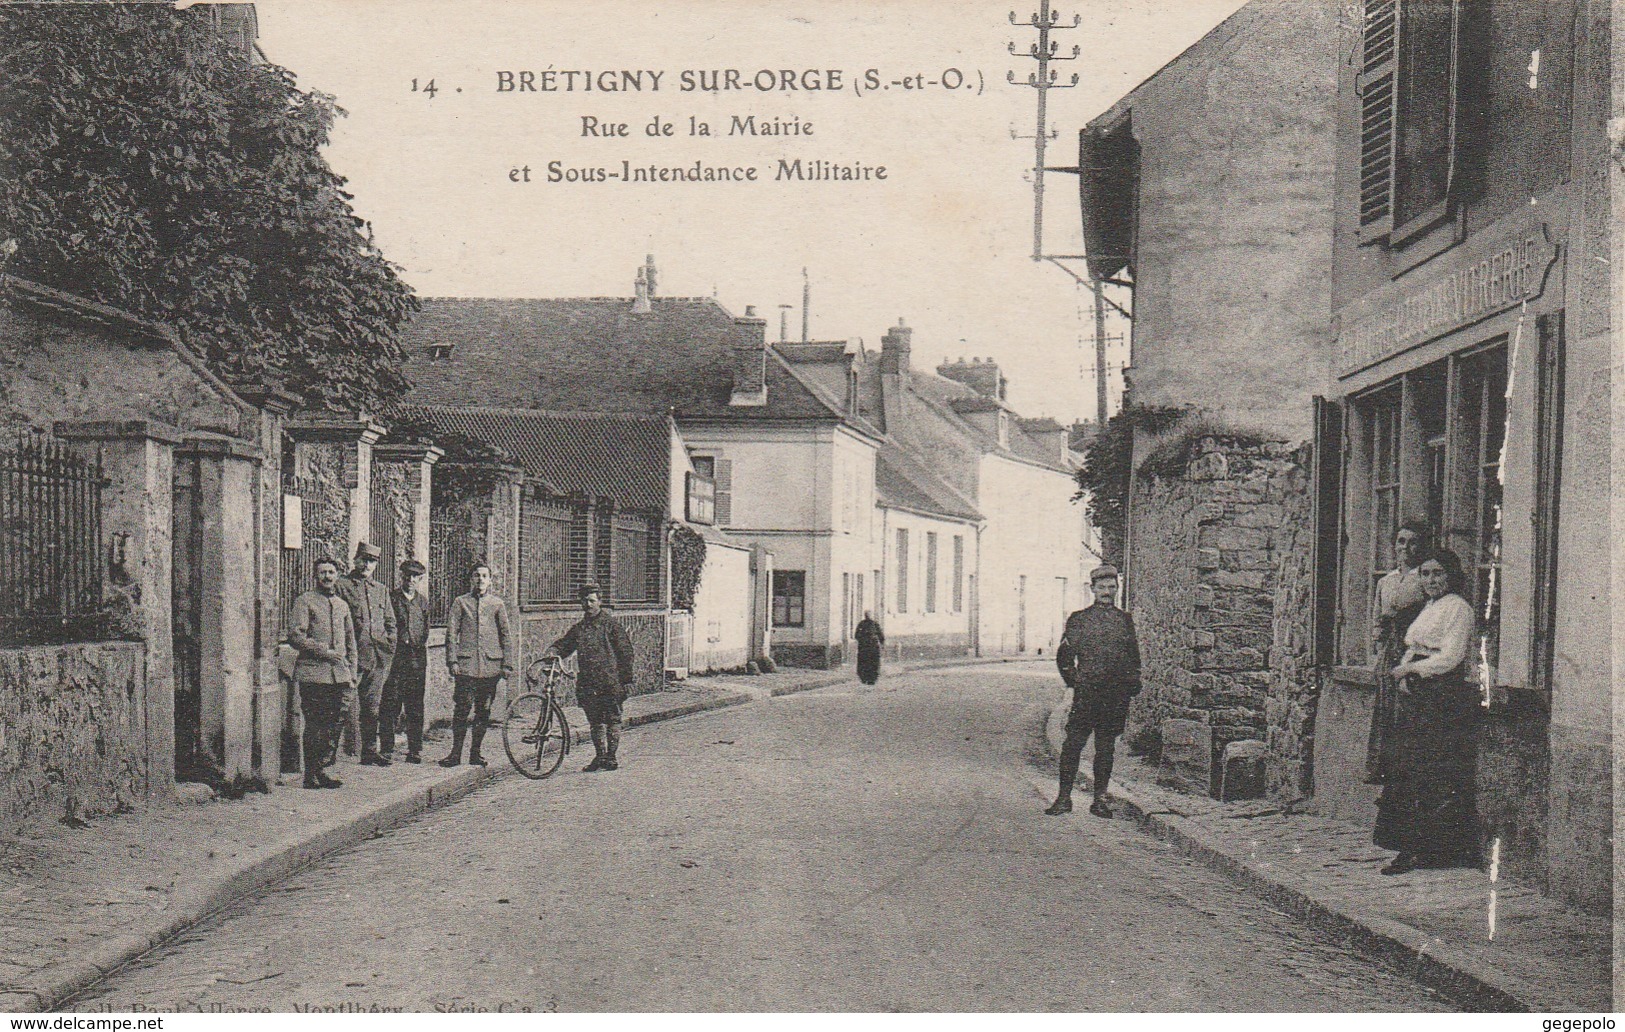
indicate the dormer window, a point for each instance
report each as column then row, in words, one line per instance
column 440, row 352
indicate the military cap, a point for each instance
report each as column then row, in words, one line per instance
column 1107, row 570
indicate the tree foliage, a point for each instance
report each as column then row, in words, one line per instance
column 149, row 164
column 1107, row 464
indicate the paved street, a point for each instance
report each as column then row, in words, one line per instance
column 835, row 850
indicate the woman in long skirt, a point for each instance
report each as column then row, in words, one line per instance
column 870, row 638
column 1398, row 600
column 1427, row 810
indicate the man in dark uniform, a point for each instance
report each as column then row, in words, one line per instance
column 604, row 680
column 1099, row 658
column 403, row 692
column 374, row 617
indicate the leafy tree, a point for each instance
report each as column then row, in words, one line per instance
column 148, row 163
column 1107, row 464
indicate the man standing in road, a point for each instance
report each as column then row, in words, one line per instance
column 605, row 674
column 374, row 617
column 320, row 629
column 479, row 653
column 1099, row 657
column 403, row 692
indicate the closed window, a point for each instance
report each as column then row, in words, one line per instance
column 959, row 573
column 930, row 572
column 902, row 571
column 789, row 598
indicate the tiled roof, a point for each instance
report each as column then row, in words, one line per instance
column 947, row 398
column 594, row 354
column 903, row 481
column 812, row 351
column 621, row 456
column 1041, row 425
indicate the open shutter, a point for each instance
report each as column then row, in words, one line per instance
column 1548, row 465
column 1328, row 529
column 725, row 491
column 1375, row 86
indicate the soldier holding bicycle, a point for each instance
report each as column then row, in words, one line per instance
column 604, row 661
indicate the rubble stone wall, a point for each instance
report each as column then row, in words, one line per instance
column 1221, row 582
column 72, row 730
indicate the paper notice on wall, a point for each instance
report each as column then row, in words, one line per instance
column 293, row 521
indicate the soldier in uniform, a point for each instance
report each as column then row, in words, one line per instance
column 1099, row 658
column 374, row 616
column 403, row 692
column 605, row 677
column 321, row 631
column 479, row 653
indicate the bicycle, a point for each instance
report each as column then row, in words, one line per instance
column 535, row 733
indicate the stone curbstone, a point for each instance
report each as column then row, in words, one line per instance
column 1398, row 945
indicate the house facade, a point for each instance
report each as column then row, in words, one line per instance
column 1208, row 190
column 984, row 469
column 783, row 469
column 1472, row 296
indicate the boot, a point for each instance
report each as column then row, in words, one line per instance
column 612, row 743
column 599, row 747
column 1063, row 798
column 456, row 757
column 474, row 757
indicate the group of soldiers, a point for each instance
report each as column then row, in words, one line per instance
column 362, row 665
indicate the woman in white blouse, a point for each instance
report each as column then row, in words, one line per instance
column 1427, row 810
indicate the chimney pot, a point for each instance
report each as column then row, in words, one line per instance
column 750, row 311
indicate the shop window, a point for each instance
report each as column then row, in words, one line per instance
column 789, row 598
column 1473, row 492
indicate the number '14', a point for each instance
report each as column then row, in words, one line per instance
column 428, row 88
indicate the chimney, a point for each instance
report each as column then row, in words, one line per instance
column 640, row 292
column 982, row 377
column 894, row 348
column 749, row 360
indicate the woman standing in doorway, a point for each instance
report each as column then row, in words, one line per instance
column 1399, row 599
column 1427, row 809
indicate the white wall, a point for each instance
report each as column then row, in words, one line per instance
column 721, row 627
column 916, row 621
column 1034, row 530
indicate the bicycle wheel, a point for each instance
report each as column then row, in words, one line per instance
column 533, row 735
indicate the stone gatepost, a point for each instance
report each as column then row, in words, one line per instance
column 416, row 462
column 265, row 428
column 137, row 460
column 226, row 479
column 338, row 449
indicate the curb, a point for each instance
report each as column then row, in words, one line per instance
column 58, row 983
column 1396, row 945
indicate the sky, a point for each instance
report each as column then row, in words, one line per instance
column 943, row 242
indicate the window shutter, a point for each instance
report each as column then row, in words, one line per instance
column 1328, row 530
column 725, row 491
column 1548, row 464
column 1375, row 87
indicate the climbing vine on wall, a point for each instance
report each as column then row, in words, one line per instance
column 687, row 564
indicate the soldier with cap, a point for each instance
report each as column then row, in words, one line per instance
column 479, row 653
column 374, row 617
column 605, row 674
column 403, row 692
column 319, row 628
column 1099, row 658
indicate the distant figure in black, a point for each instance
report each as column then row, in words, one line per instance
column 870, row 638
column 1099, row 658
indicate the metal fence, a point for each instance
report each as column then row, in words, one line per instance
column 381, row 529
column 50, row 544
column 451, row 556
column 299, row 563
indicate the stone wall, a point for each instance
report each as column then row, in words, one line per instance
column 72, row 730
column 1219, row 568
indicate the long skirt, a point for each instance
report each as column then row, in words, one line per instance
column 869, row 662
column 1428, row 798
column 1379, row 746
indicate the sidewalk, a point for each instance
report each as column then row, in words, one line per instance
column 1431, row 925
column 77, row 904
